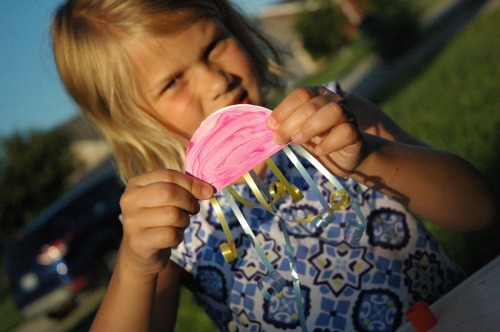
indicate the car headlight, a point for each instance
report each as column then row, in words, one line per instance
column 51, row 253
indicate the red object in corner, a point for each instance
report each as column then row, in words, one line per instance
column 421, row 317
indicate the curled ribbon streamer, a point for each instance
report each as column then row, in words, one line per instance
column 326, row 216
column 343, row 203
column 312, row 185
column 228, row 248
column 233, row 141
column 276, row 286
column 277, row 190
column 291, row 189
column 339, row 200
column 239, row 198
column 249, row 178
column 256, row 185
column 354, row 230
column 267, row 199
column 275, row 280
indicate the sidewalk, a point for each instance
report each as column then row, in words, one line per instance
column 368, row 74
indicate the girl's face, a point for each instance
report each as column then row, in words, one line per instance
column 185, row 76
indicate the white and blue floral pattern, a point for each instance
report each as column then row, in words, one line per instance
column 344, row 287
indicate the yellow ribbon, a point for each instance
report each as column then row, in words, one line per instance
column 228, row 248
column 343, row 202
column 290, row 188
column 277, row 190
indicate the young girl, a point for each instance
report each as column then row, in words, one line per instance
column 148, row 72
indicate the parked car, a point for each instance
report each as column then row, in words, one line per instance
column 71, row 246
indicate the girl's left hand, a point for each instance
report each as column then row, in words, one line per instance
column 319, row 120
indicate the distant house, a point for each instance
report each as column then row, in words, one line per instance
column 277, row 22
column 88, row 146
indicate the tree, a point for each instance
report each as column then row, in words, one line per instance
column 323, row 29
column 34, row 167
column 392, row 27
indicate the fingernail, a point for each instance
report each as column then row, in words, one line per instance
column 207, row 190
column 277, row 139
column 297, row 137
column 318, row 151
column 272, row 123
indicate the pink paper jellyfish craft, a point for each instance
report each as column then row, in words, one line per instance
column 227, row 146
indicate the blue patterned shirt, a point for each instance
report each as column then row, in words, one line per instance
column 344, row 287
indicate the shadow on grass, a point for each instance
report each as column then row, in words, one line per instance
column 474, row 250
column 387, row 80
column 484, row 246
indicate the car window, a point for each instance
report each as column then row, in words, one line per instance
column 93, row 204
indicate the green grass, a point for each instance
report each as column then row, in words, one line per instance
column 190, row 316
column 10, row 316
column 340, row 64
column 451, row 100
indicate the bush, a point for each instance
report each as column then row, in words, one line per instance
column 34, row 167
column 322, row 30
column 392, row 31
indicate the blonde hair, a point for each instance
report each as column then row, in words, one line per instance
column 87, row 39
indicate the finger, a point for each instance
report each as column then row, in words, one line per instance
column 157, row 217
column 160, row 194
column 195, row 186
column 297, row 118
column 295, row 99
column 338, row 138
column 321, row 121
column 288, row 105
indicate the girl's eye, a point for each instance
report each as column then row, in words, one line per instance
column 171, row 84
column 217, row 45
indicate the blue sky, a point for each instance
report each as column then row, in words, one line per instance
column 31, row 95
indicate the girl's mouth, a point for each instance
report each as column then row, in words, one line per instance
column 241, row 99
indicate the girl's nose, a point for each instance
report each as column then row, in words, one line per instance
column 212, row 82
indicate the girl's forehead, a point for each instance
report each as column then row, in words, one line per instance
column 202, row 27
column 155, row 58
column 197, row 33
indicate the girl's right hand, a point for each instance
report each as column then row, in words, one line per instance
column 156, row 208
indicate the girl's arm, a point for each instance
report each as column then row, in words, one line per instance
column 435, row 184
column 167, row 296
column 353, row 138
column 140, row 304
column 443, row 187
column 143, row 292
column 128, row 303
column 372, row 120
